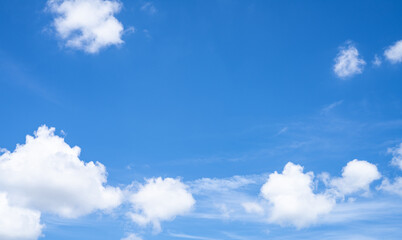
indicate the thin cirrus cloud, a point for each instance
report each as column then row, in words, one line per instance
column 88, row 25
column 394, row 53
column 348, row 62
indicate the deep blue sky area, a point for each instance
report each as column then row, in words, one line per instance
column 213, row 89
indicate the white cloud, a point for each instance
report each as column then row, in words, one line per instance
column 47, row 175
column 395, row 187
column 160, row 200
column 291, row 197
column 348, row 63
column 253, row 207
column 376, row 61
column 394, row 53
column 397, row 156
column 132, row 236
column 149, row 7
column 356, row 176
column 18, row 223
column 87, row 25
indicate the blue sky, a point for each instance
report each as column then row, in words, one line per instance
column 196, row 93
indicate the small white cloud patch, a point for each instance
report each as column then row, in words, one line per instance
column 160, row 200
column 87, row 25
column 395, row 187
column 292, row 199
column 396, row 156
column 394, row 53
column 348, row 62
column 132, row 236
column 253, row 207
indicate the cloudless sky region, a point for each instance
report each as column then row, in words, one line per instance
column 204, row 119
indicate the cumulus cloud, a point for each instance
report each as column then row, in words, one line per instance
column 160, row 200
column 47, row 175
column 348, row 62
column 394, row 53
column 397, row 156
column 356, row 176
column 87, row 25
column 18, row 223
column 291, row 197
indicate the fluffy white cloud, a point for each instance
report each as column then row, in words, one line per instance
column 88, row 25
column 356, row 176
column 395, row 187
column 348, row 63
column 18, row 223
column 397, row 156
column 47, row 175
column 160, row 200
column 292, row 199
column 394, row 53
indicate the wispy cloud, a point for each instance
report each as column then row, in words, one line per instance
column 149, row 8
column 331, row 106
column 188, row 236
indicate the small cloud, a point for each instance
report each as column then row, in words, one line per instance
column 357, row 176
column 348, row 62
column 147, row 34
column 376, row 61
column 396, row 156
column 328, row 108
column 394, row 53
column 252, row 207
column 149, row 8
column 283, row 130
column 292, row 199
column 160, row 200
column 87, row 25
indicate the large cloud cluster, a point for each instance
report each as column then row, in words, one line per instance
column 46, row 175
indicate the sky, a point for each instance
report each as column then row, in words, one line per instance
column 200, row 119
